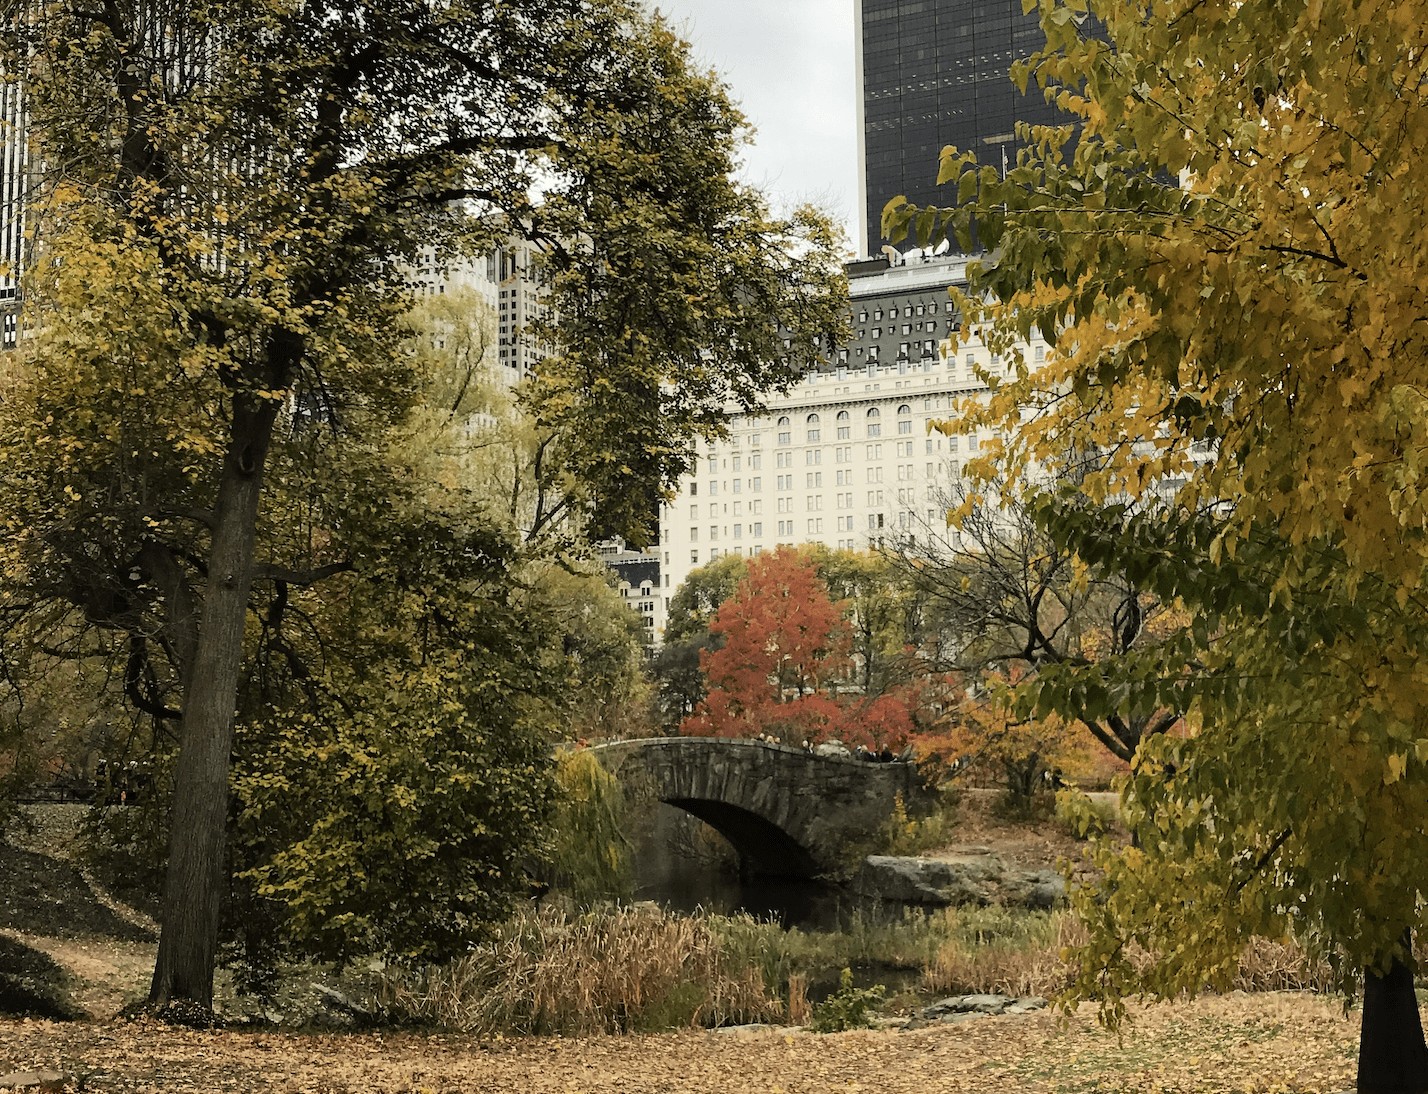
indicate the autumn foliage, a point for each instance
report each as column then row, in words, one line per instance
column 785, row 665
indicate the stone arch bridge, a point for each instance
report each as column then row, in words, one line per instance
column 786, row 811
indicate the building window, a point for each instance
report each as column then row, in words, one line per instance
column 694, row 557
column 904, row 419
column 713, row 489
column 813, row 430
column 757, row 482
column 845, row 429
column 738, row 531
column 785, row 434
column 875, row 428
column 844, row 454
column 693, row 535
column 756, row 529
column 813, row 456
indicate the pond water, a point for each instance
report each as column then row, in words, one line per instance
column 684, row 865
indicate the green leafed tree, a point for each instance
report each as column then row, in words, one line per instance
column 1228, row 261
column 200, row 477
column 687, row 634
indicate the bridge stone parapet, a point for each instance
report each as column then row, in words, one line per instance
column 786, row 811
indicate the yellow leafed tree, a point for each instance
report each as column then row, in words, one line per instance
column 1229, row 260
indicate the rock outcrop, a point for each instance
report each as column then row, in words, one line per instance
column 979, row 879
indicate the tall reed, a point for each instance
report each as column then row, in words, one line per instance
column 616, row 970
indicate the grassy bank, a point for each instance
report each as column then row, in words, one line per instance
column 639, row 968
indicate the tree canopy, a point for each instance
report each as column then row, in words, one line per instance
column 784, row 663
column 1228, row 261
column 209, row 479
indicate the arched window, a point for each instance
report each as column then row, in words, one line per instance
column 875, row 428
column 814, row 433
column 785, row 434
column 845, row 428
column 904, row 419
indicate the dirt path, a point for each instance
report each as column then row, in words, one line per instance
column 1234, row 1043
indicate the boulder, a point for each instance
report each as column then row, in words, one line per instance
column 978, row 880
column 984, row 1003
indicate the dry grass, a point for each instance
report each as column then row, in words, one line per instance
column 618, row 970
column 640, row 968
column 1281, row 966
column 1028, row 961
column 1024, row 959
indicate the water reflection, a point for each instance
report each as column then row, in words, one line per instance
column 684, row 865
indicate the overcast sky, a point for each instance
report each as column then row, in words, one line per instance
column 789, row 64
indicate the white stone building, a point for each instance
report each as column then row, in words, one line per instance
column 847, row 458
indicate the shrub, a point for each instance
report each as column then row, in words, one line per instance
column 901, row 834
column 1083, row 817
column 848, row 1007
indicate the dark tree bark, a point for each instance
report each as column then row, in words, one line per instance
column 197, row 870
column 1393, row 1058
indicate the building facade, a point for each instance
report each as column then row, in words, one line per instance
column 14, row 178
column 847, row 458
column 933, row 73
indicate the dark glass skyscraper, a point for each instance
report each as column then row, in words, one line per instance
column 933, row 73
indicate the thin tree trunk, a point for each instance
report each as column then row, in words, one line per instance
column 196, row 879
column 1393, row 1058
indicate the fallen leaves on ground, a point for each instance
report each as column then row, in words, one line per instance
column 1236, row 1043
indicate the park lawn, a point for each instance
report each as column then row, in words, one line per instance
column 1268, row 1042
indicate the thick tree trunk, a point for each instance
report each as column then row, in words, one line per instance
column 196, row 880
column 1393, row 1058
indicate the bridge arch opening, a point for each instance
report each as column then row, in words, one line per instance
column 764, row 849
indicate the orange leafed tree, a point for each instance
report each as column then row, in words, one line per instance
column 784, row 664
